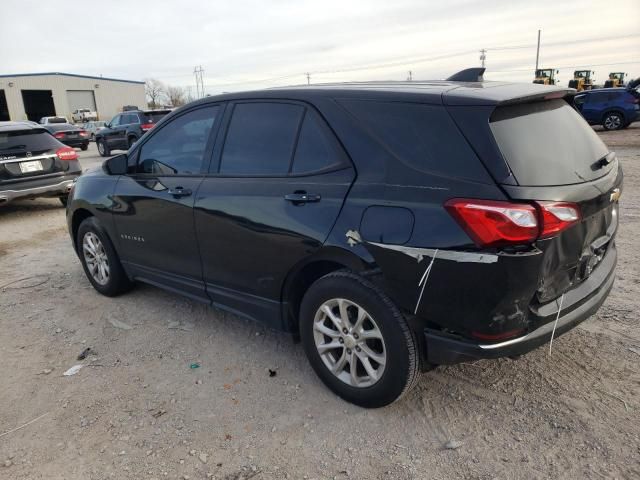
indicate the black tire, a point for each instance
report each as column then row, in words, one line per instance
column 613, row 121
column 130, row 141
column 402, row 358
column 63, row 200
column 103, row 149
column 84, row 147
column 118, row 282
column 93, row 137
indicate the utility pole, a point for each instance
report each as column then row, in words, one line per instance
column 538, row 51
column 483, row 56
column 308, row 78
column 198, row 71
column 410, row 76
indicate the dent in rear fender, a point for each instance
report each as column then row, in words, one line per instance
column 458, row 290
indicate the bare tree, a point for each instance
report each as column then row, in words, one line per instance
column 155, row 91
column 176, row 95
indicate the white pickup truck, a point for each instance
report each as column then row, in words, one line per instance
column 84, row 115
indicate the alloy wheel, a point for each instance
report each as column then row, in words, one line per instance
column 612, row 122
column 95, row 257
column 349, row 342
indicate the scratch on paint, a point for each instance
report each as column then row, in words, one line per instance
column 420, row 253
column 353, row 237
column 424, row 279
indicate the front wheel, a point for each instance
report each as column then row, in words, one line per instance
column 613, row 121
column 103, row 150
column 357, row 341
column 100, row 260
column 84, row 147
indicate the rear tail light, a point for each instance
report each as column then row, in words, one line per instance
column 146, row 126
column 83, row 133
column 557, row 216
column 492, row 223
column 59, row 135
column 66, row 153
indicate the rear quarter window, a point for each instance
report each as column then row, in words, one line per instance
column 548, row 143
column 421, row 136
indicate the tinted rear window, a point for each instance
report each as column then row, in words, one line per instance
column 26, row 141
column 154, row 117
column 419, row 135
column 58, row 120
column 548, row 143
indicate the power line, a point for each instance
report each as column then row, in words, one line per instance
column 571, row 66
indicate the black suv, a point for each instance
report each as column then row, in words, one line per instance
column 393, row 226
column 125, row 129
column 34, row 164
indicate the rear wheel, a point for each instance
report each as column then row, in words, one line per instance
column 131, row 141
column 84, row 147
column 613, row 121
column 357, row 341
column 103, row 150
column 100, row 260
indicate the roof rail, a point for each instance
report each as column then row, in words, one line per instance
column 468, row 75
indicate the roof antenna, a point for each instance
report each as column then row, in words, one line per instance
column 474, row 74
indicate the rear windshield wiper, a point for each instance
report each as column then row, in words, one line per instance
column 604, row 161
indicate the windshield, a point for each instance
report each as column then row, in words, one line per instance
column 548, row 143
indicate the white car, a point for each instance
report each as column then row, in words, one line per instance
column 84, row 115
column 48, row 120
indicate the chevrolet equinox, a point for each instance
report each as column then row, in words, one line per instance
column 392, row 226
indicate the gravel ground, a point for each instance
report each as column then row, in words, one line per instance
column 254, row 409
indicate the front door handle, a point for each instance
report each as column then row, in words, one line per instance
column 179, row 192
column 298, row 198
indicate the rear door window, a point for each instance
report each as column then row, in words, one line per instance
column 548, row 143
column 421, row 136
column 261, row 138
column 178, row 147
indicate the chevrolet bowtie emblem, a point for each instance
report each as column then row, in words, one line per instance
column 615, row 195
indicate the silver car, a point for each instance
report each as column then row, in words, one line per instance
column 93, row 128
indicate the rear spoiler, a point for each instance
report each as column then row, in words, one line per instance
column 567, row 94
column 474, row 74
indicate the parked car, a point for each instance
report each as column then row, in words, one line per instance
column 34, row 164
column 613, row 108
column 93, row 128
column 394, row 226
column 69, row 134
column 48, row 120
column 125, row 129
column 84, row 115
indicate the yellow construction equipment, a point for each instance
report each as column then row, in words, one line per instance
column 546, row 76
column 582, row 80
column 616, row 79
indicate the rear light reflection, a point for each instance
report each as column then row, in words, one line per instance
column 66, row 153
column 492, row 223
column 494, row 337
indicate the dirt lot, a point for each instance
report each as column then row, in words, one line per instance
column 138, row 410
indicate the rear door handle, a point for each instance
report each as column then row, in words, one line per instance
column 299, row 198
column 179, row 192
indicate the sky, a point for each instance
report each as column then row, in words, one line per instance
column 251, row 44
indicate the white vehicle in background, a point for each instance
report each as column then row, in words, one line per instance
column 83, row 115
column 48, row 120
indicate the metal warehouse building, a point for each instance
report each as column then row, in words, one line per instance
column 32, row 96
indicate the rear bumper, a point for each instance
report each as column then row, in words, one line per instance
column 447, row 350
column 76, row 143
column 56, row 186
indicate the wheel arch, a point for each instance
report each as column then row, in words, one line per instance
column 79, row 216
column 305, row 273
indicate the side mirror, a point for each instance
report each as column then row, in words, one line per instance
column 116, row 165
column 107, row 125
